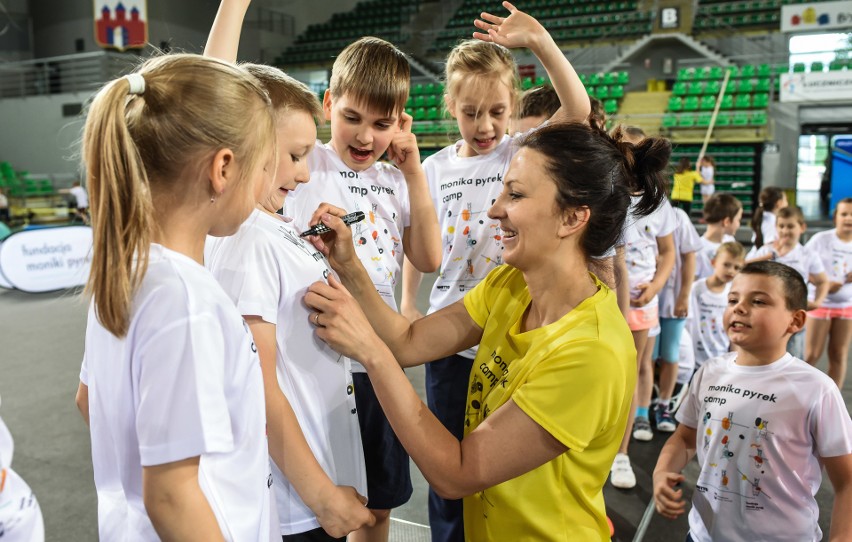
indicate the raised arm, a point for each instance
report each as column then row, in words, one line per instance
column 521, row 30
column 411, row 280
column 224, row 39
column 340, row 510
column 421, row 240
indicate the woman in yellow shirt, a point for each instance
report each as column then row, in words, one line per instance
column 552, row 382
column 684, row 184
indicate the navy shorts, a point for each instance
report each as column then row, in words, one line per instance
column 388, row 475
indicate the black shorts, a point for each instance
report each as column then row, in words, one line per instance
column 315, row 535
column 388, row 475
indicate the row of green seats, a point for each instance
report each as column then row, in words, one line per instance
column 611, row 78
column 734, row 86
column 746, row 71
column 426, row 113
column 424, row 100
column 738, row 7
column 427, row 88
column 530, row 82
column 708, row 21
column 725, row 119
column 729, row 101
column 435, row 128
column 603, row 91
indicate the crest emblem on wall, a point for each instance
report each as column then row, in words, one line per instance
column 121, row 24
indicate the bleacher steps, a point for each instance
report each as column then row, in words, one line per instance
column 643, row 109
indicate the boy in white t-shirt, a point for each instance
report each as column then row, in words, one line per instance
column 20, row 514
column 365, row 105
column 786, row 248
column 708, row 301
column 763, row 424
column 722, row 214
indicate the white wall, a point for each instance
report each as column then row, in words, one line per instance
column 37, row 138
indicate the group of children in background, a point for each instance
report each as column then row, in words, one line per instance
column 253, row 383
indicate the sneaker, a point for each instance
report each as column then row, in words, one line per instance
column 642, row 429
column 622, row 475
column 664, row 420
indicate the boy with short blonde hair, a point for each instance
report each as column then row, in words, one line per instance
column 365, row 106
column 763, row 424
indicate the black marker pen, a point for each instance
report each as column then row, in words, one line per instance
column 320, row 228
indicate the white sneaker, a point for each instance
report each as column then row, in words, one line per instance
column 622, row 475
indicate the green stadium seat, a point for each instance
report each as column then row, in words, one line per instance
column 716, row 72
column 690, row 103
column 746, row 86
column 417, row 89
column 799, row 67
column 596, row 79
column 419, row 114
column 759, row 118
column 747, row 71
column 713, row 87
column 764, row 70
column 708, row 103
column 610, row 106
column 686, row 121
column 723, row 119
column 742, row 101
column 702, row 74
column 527, row 83
column 696, row 88
column 679, row 89
column 686, row 74
column 623, row 78
column 616, row 91
column 669, row 121
column 836, row 65
column 609, row 78
column 703, row 120
column 763, row 85
column 817, row 66
column 778, row 69
column 740, row 119
column 433, row 113
column 602, row 92
column 675, row 103
column 760, row 101
column 733, row 85
column 419, row 100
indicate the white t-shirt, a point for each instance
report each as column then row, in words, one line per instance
column 836, row 256
column 767, row 228
column 462, row 190
column 686, row 240
column 640, row 247
column 380, row 192
column 266, row 269
column 706, row 309
column 704, row 256
column 81, row 196
column 800, row 258
column 184, row 382
column 760, row 434
column 20, row 514
column 707, row 173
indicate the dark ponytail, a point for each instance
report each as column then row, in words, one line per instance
column 593, row 169
column 767, row 201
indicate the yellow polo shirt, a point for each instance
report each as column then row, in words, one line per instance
column 575, row 378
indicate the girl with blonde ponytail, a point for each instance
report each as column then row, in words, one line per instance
column 171, row 384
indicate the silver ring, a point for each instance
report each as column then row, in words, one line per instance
column 316, row 319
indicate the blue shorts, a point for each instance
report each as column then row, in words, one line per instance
column 667, row 346
column 388, row 475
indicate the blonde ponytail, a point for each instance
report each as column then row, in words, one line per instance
column 137, row 147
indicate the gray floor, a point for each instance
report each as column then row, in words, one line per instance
column 41, row 344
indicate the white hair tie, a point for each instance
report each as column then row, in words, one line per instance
column 137, row 83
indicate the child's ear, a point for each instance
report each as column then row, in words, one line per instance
column 727, row 221
column 326, row 104
column 451, row 105
column 798, row 322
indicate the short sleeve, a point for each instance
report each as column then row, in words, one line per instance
column 479, row 301
column 690, row 410
column 830, row 423
column 594, row 404
column 404, row 197
column 815, row 265
column 667, row 219
column 182, row 409
column 690, row 241
column 84, row 371
column 248, row 270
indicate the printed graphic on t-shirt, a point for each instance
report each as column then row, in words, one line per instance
column 735, row 462
column 472, row 242
column 488, row 375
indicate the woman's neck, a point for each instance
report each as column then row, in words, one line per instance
column 555, row 291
